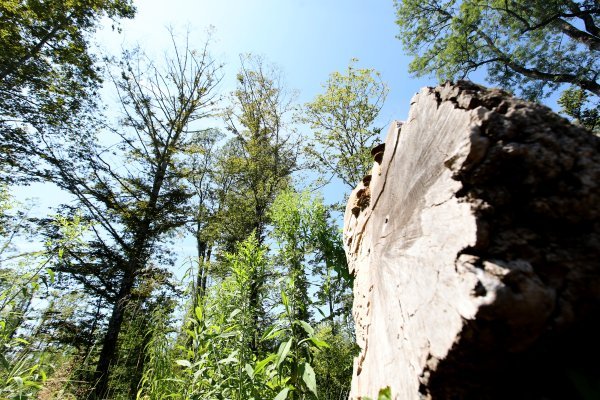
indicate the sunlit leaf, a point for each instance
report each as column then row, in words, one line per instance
column 249, row 370
column 318, row 342
column 308, row 376
column 307, row 328
column 282, row 395
column 284, row 349
column 184, row 363
column 263, row 363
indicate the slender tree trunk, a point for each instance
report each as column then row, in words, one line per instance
column 205, row 276
column 331, row 312
column 109, row 344
column 200, row 278
column 94, row 326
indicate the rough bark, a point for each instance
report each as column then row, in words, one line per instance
column 110, row 340
column 475, row 245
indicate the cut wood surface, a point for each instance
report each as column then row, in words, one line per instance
column 475, row 247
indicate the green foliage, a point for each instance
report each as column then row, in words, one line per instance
column 293, row 364
column 291, row 218
column 384, row 394
column 209, row 189
column 92, row 314
column 306, row 236
column 217, row 361
column 333, row 364
column 48, row 74
column 5, row 206
column 263, row 154
column 213, row 360
column 342, row 119
column 24, row 279
column 242, row 294
column 529, row 46
column 133, row 189
column 576, row 104
column 158, row 380
column 146, row 329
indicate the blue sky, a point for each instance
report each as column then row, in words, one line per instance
column 307, row 39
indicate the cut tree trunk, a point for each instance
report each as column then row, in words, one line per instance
column 475, row 246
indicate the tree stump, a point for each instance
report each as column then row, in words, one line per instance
column 475, row 248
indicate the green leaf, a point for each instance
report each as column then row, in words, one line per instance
column 285, row 300
column 184, row 363
column 249, row 370
column 282, row 395
column 284, row 349
column 272, row 333
column 231, row 359
column 32, row 384
column 321, row 312
column 18, row 380
column 307, row 328
column 308, row 376
column 319, row 343
column 385, row 394
column 22, row 341
column 50, row 274
column 263, row 363
column 198, row 312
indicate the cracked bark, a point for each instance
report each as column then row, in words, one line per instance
column 477, row 258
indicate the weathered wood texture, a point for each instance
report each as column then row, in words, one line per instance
column 476, row 251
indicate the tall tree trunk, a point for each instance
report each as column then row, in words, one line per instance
column 109, row 344
column 97, row 316
column 201, row 277
column 205, row 275
column 331, row 312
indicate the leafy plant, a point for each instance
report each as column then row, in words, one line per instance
column 23, row 365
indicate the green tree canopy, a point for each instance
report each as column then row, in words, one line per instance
column 264, row 151
column 342, row 119
column 580, row 105
column 530, row 46
column 47, row 70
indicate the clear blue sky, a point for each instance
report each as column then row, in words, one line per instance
column 307, row 39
